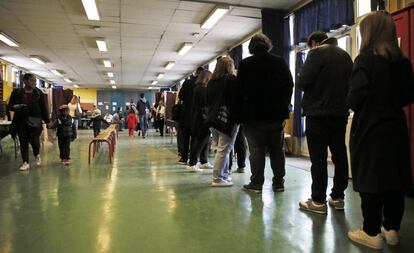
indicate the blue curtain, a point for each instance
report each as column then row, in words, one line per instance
column 323, row 15
column 298, row 120
column 273, row 27
column 237, row 54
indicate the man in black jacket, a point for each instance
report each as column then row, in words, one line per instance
column 265, row 86
column 324, row 81
column 186, row 96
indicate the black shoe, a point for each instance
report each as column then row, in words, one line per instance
column 240, row 170
column 279, row 186
column 253, row 188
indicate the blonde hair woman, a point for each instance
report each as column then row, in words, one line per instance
column 380, row 86
column 221, row 101
column 75, row 109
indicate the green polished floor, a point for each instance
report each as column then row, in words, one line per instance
column 145, row 202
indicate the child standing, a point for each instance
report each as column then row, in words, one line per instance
column 66, row 132
column 132, row 123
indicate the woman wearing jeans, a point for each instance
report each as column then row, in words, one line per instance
column 381, row 84
column 223, row 84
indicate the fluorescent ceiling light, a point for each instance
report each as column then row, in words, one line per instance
column 214, row 17
column 67, row 80
column 112, row 81
column 160, row 75
column 107, row 63
column 8, row 40
column 185, row 48
column 91, row 9
column 37, row 59
column 110, row 74
column 153, row 88
column 56, row 72
column 154, row 82
column 101, row 43
column 169, row 65
column 113, row 87
column 76, row 86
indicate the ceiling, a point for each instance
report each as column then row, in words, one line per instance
column 142, row 36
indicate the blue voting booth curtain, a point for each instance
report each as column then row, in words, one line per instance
column 273, row 27
column 237, row 54
column 323, row 15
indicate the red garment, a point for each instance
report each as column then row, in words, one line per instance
column 132, row 120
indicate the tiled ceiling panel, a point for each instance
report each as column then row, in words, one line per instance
column 141, row 35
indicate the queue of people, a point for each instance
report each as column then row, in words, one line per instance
column 376, row 87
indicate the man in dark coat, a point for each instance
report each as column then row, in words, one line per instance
column 186, row 97
column 324, row 81
column 143, row 107
column 265, row 86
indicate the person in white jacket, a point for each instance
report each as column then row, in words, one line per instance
column 160, row 116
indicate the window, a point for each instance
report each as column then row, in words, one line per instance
column 345, row 43
column 245, row 47
column 212, row 66
column 364, row 7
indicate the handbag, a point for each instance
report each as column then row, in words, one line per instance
column 35, row 122
column 219, row 117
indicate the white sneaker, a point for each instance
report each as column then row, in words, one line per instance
column 25, row 166
column 391, row 236
column 206, row 166
column 359, row 236
column 221, row 183
column 38, row 160
column 194, row 168
column 338, row 203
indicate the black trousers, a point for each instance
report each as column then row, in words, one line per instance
column 321, row 133
column 160, row 125
column 199, row 148
column 29, row 135
column 382, row 209
column 64, row 147
column 185, row 134
column 240, row 147
column 262, row 136
column 179, row 138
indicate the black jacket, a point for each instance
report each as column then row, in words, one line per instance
column 224, row 86
column 324, row 80
column 186, row 96
column 37, row 108
column 379, row 144
column 142, row 106
column 199, row 111
column 264, row 88
column 66, row 127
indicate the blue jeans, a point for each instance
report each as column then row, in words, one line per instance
column 143, row 120
column 224, row 146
